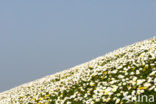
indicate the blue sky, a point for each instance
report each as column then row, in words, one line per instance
column 39, row 38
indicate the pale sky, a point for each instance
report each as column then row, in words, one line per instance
column 39, row 38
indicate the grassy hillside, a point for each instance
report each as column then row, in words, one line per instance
column 109, row 79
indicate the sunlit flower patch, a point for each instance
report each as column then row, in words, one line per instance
column 105, row 80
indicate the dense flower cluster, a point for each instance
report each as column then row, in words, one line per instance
column 108, row 79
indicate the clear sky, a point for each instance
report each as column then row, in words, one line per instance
column 42, row 37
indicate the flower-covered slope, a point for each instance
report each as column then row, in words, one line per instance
column 107, row 79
